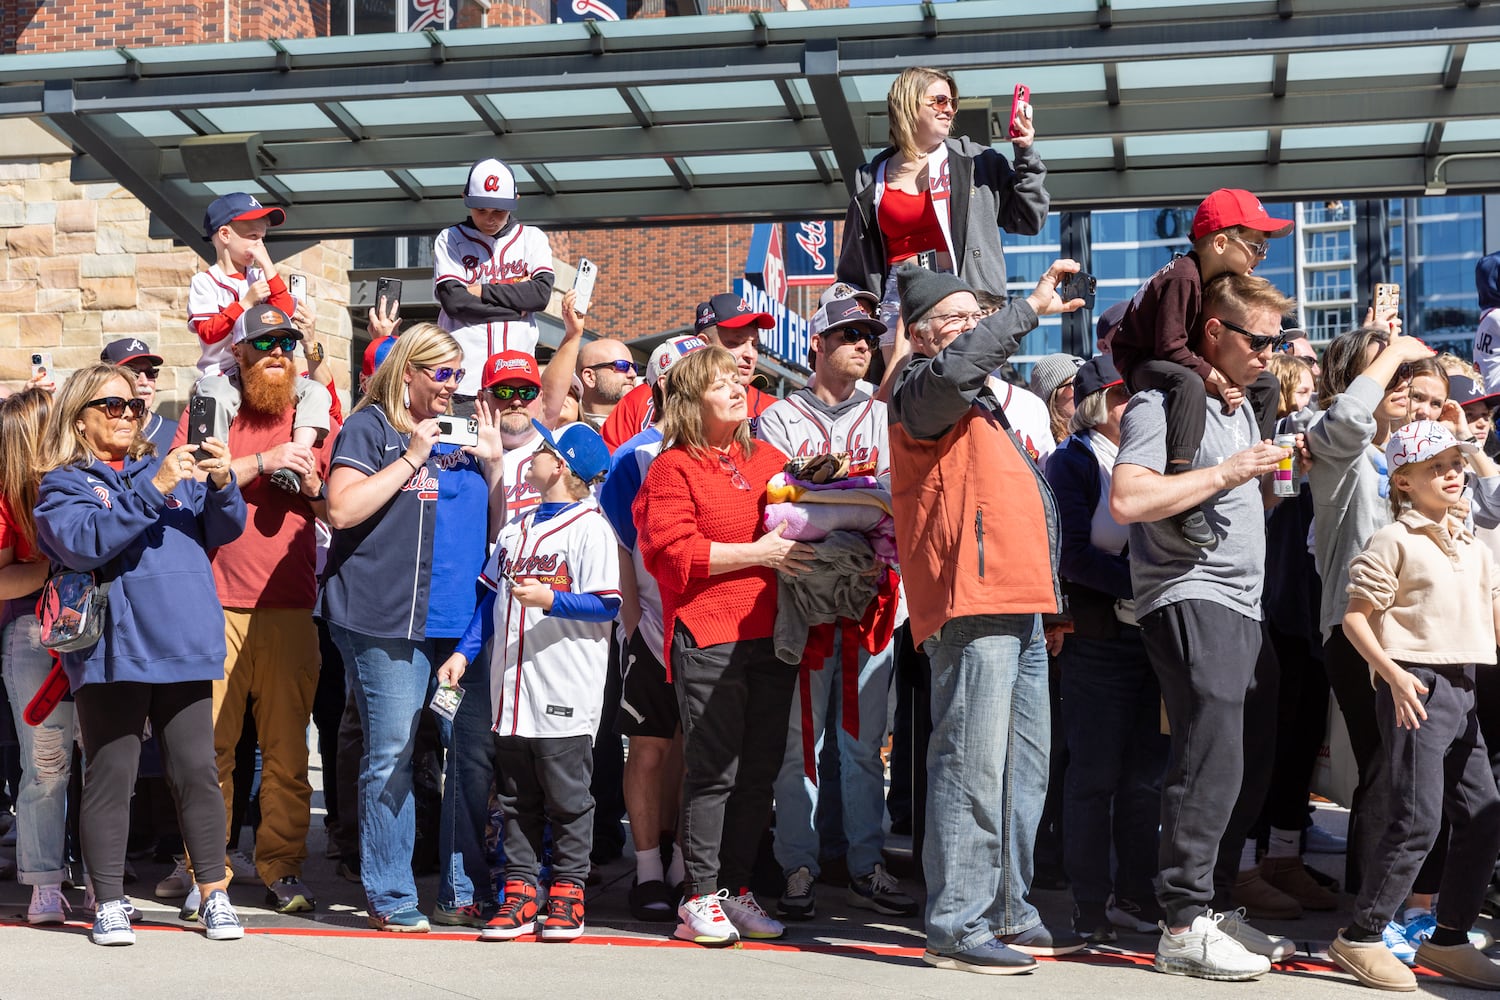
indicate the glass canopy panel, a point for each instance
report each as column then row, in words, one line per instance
column 1359, row 64
column 1481, row 57
column 268, row 118
column 1154, row 4
column 1472, row 131
column 338, row 180
column 1042, row 80
column 872, row 89
column 713, row 96
column 1067, row 149
column 156, row 124
column 1194, row 143
column 609, row 170
column 407, row 110
column 727, row 166
column 166, row 56
column 230, row 187
column 1162, row 74
column 534, row 105
column 1354, row 136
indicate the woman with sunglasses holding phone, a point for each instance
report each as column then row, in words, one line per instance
column 700, row 513
column 387, row 587
column 109, row 506
column 938, row 198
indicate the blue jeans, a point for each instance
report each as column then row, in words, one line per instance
column 389, row 678
column 469, row 769
column 46, row 759
column 987, row 777
column 1117, row 755
column 861, row 772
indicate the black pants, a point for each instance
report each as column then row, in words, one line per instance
column 735, row 698
column 1258, row 753
column 111, row 718
column 327, row 711
column 608, row 788
column 1441, row 769
column 541, row 780
column 1301, row 714
column 1186, row 417
column 1204, row 655
column 1349, row 676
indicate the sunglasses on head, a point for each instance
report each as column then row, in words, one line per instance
column 267, row 341
column 446, row 373
column 507, row 392
column 1258, row 341
column 620, row 366
column 114, row 407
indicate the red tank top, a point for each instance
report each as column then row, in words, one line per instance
column 909, row 224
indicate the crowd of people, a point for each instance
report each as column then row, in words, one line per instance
column 1117, row 613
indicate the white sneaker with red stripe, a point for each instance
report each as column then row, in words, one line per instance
column 702, row 920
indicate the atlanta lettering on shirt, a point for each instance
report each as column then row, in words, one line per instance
column 424, row 482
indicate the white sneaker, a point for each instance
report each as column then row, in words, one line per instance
column 178, row 884
column 1257, row 942
column 702, row 920
column 749, row 919
column 48, row 905
column 1206, row 952
column 242, row 866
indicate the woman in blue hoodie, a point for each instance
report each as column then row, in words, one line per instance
column 106, row 506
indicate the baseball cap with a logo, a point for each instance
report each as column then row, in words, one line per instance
column 666, row 355
column 844, row 314
column 844, row 290
column 127, row 349
column 728, row 309
column 1420, row 440
column 511, row 366
column 579, row 446
column 236, row 207
column 263, row 319
column 1234, row 207
column 491, row 185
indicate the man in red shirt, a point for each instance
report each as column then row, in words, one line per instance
column 267, row 582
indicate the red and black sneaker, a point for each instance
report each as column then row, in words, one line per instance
column 564, row 919
column 517, row 915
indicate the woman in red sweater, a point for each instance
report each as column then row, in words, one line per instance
column 699, row 516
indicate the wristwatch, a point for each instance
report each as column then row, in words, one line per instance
column 313, row 350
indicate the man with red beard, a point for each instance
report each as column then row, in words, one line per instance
column 267, row 584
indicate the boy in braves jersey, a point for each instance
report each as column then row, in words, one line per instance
column 834, row 414
column 490, row 273
column 555, row 588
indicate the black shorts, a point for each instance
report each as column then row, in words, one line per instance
column 648, row 704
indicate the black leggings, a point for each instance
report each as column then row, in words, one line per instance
column 1349, row 676
column 111, row 719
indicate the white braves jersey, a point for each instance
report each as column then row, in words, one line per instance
column 520, row 496
column 546, row 673
column 802, row 425
column 1028, row 417
column 210, row 293
column 464, row 254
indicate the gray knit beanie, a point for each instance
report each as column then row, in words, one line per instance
column 921, row 289
column 1051, row 372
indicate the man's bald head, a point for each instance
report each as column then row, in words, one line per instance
column 603, row 387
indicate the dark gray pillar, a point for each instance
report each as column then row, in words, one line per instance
column 1077, row 242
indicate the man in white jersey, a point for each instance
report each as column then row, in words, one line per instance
column 832, row 415
column 490, row 274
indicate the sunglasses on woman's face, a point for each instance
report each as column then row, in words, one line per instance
column 445, row 374
column 114, row 407
column 508, row 392
column 266, row 342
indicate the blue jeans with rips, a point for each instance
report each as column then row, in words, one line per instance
column 46, row 759
column 987, row 777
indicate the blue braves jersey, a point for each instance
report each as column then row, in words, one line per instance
column 459, row 540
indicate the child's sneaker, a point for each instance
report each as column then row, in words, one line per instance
column 517, row 914
column 702, row 920
column 1194, row 527
column 564, row 919
column 112, row 923
column 219, row 920
column 1394, row 939
column 286, row 480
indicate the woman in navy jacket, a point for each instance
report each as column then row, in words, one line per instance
column 106, row 506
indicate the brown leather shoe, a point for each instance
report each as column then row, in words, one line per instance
column 1462, row 963
column 1288, row 875
column 1261, row 900
column 1372, row 963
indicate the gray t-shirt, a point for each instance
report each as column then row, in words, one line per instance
column 1165, row 567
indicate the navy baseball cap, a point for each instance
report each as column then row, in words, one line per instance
column 1464, row 390
column 1094, row 375
column 845, row 314
column 234, row 207
column 118, row 352
column 580, row 447
column 728, row 309
column 1108, row 321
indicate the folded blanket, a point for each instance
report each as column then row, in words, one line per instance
column 812, row 522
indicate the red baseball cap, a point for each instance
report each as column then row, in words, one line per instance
column 511, row 366
column 1233, row 207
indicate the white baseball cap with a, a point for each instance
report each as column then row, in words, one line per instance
column 666, row 355
column 491, row 185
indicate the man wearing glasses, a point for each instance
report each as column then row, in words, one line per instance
column 132, row 353
column 267, row 582
column 607, row 372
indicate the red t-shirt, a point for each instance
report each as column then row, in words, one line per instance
column 909, row 224
column 11, row 536
column 273, row 564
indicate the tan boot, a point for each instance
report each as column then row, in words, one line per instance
column 1462, row 963
column 1261, row 900
column 1288, row 875
column 1372, row 963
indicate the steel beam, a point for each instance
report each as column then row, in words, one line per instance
column 834, row 96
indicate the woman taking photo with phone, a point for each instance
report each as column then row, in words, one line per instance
column 106, row 507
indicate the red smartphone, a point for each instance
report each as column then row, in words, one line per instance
column 1021, row 98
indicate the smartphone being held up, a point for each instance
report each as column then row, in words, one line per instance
column 583, row 285
column 297, row 285
column 387, row 295
column 1020, row 107
column 201, row 413
column 41, row 365
column 1387, row 297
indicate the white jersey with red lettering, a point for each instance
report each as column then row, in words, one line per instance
column 464, row 254
column 520, row 496
column 547, row 673
column 802, row 425
column 210, row 292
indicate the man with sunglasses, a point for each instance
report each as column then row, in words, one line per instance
column 833, row 415
column 608, row 372
column 132, row 353
column 267, row 582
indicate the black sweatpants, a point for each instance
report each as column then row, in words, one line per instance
column 1204, row 655
column 542, row 779
column 735, row 699
column 1258, row 756
column 1185, row 393
column 1301, row 713
column 111, row 719
column 1349, row 677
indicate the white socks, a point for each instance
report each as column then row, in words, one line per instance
column 1284, row 843
column 648, row 865
column 1247, row 857
column 676, row 873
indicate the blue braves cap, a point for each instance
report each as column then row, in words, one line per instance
column 581, row 448
column 234, row 207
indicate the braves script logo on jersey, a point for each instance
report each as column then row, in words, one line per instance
column 941, row 185
column 812, row 237
column 496, row 272
column 859, row 452
column 549, row 569
column 103, row 495
column 424, row 482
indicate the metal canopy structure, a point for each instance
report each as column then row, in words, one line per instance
column 765, row 116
